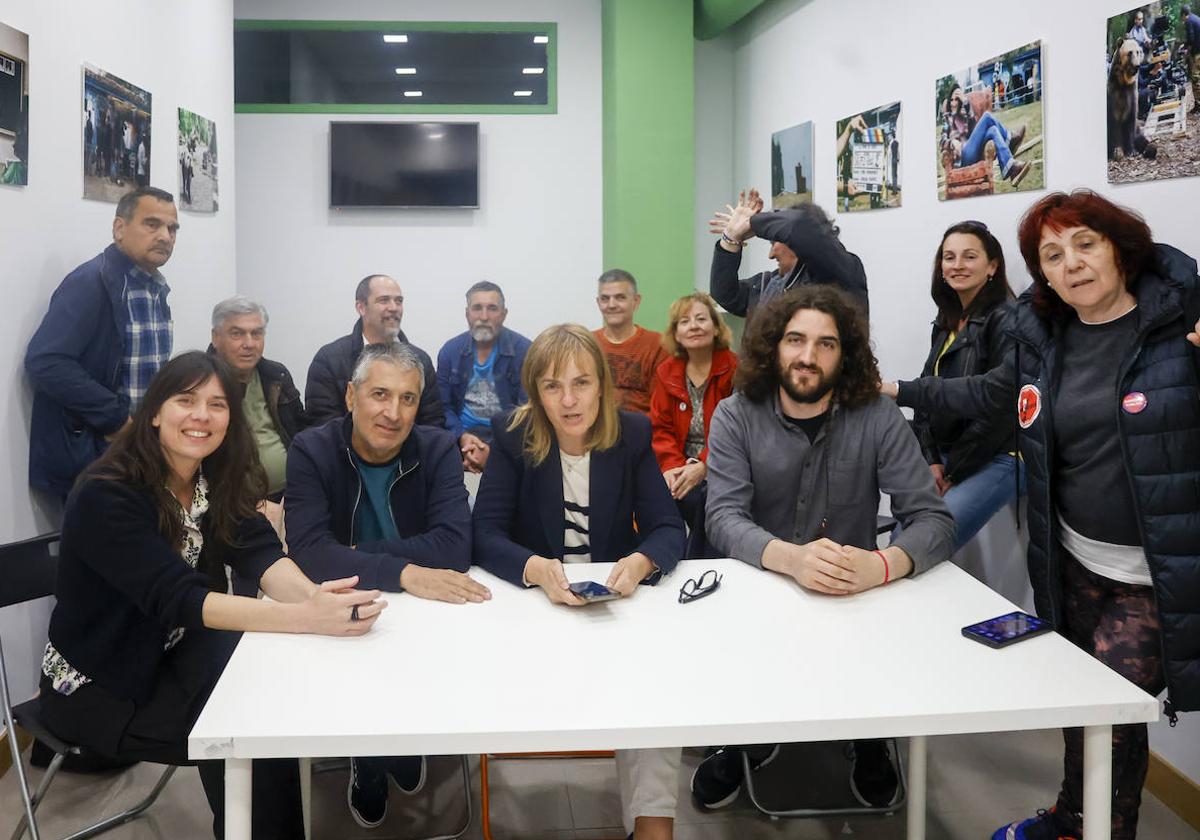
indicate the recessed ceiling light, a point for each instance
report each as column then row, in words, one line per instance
column 395, row 39
column 541, row 39
column 406, row 71
column 436, row 136
column 534, row 71
column 522, row 93
column 411, row 93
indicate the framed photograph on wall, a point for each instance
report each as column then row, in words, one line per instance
column 1152, row 93
column 868, row 159
column 989, row 126
column 14, row 106
column 116, row 135
column 197, row 155
column 792, row 166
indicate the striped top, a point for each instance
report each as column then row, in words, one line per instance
column 576, row 473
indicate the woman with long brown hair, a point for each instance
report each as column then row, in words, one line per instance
column 143, row 627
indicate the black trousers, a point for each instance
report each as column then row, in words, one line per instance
column 156, row 730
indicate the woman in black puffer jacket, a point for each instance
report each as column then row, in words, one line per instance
column 1105, row 377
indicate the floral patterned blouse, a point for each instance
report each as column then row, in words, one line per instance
column 66, row 679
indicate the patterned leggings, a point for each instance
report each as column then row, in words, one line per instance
column 1118, row 624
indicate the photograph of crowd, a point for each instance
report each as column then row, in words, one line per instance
column 868, row 159
column 989, row 126
column 1152, row 92
column 14, row 106
column 197, row 163
column 792, row 166
column 116, row 136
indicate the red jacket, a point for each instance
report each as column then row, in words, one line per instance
column 671, row 408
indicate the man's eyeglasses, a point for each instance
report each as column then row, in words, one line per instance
column 696, row 588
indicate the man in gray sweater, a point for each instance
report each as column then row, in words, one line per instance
column 797, row 459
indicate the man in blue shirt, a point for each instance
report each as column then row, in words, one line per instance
column 1191, row 36
column 375, row 495
column 106, row 333
column 479, row 373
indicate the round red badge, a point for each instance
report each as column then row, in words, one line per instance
column 1029, row 405
column 1134, row 402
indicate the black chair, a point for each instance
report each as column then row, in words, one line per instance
column 27, row 572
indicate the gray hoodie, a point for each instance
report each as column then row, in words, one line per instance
column 766, row 481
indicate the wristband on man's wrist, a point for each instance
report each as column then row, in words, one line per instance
column 887, row 572
column 731, row 240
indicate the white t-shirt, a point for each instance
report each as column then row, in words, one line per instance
column 576, row 473
column 1124, row 563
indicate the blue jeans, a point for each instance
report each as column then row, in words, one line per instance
column 982, row 494
column 988, row 128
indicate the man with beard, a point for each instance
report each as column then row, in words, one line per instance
column 479, row 373
column 107, row 332
column 797, row 458
column 380, row 305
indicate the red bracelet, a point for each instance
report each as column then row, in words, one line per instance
column 887, row 572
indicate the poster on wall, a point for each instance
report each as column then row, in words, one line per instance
column 1152, row 90
column 116, row 135
column 989, row 126
column 868, row 159
column 791, row 166
column 14, row 106
column 197, row 163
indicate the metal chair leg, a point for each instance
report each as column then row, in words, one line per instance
column 129, row 813
column 10, row 727
column 35, row 799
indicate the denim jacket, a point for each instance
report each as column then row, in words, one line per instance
column 456, row 361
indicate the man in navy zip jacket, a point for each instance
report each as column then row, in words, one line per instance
column 374, row 495
column 104, row 336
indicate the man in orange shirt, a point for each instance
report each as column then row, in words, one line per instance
column 633, row 353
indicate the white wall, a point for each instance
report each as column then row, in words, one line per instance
column 183, row 54
column 537, row 232
column 795, row 60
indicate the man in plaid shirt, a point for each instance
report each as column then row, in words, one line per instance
column 107, row 332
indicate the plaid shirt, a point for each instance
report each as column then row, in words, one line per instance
column 148, row 333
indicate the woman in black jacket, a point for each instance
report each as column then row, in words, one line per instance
column 1105, row 379
column 573, row 480
column 972, row 461
column 140, row 632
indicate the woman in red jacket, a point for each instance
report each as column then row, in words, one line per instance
column 687, row 388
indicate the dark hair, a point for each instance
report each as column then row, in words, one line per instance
column 995, row 290
column 1126, row 229
column 362, row 292
column 486, row 286
column 814, row 215
column 235, row 477
column 758, row 364
column 129, row 201
column 1184, row 11
column 617, row 275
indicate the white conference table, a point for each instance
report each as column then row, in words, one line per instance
column 759, row 661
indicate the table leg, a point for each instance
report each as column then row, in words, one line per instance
column 916, row 787
column 1097, row 782
column 238, row 791
column 306, row 795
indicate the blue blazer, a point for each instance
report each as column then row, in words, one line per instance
column 519, row 508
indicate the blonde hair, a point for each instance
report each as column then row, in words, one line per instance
column 549, row 353
column 722, row 335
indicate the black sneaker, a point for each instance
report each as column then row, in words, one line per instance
column 873, row 779
column 1043, row 826
column 718, row 779
column 409, row 771
column 367, row 792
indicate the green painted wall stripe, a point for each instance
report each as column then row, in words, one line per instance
column 649, row 148
column 533, row 28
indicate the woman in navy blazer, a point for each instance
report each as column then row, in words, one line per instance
column 566, row 480
column 519, row 518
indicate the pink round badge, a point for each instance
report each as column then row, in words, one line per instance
column 1134, row 402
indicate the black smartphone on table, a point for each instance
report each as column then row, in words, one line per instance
column 1004, row 630
column 593, row 592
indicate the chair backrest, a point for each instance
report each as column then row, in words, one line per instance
column 28, row 569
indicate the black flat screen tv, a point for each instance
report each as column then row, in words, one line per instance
column 403, row 164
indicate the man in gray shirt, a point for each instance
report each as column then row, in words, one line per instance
column 797, row 459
